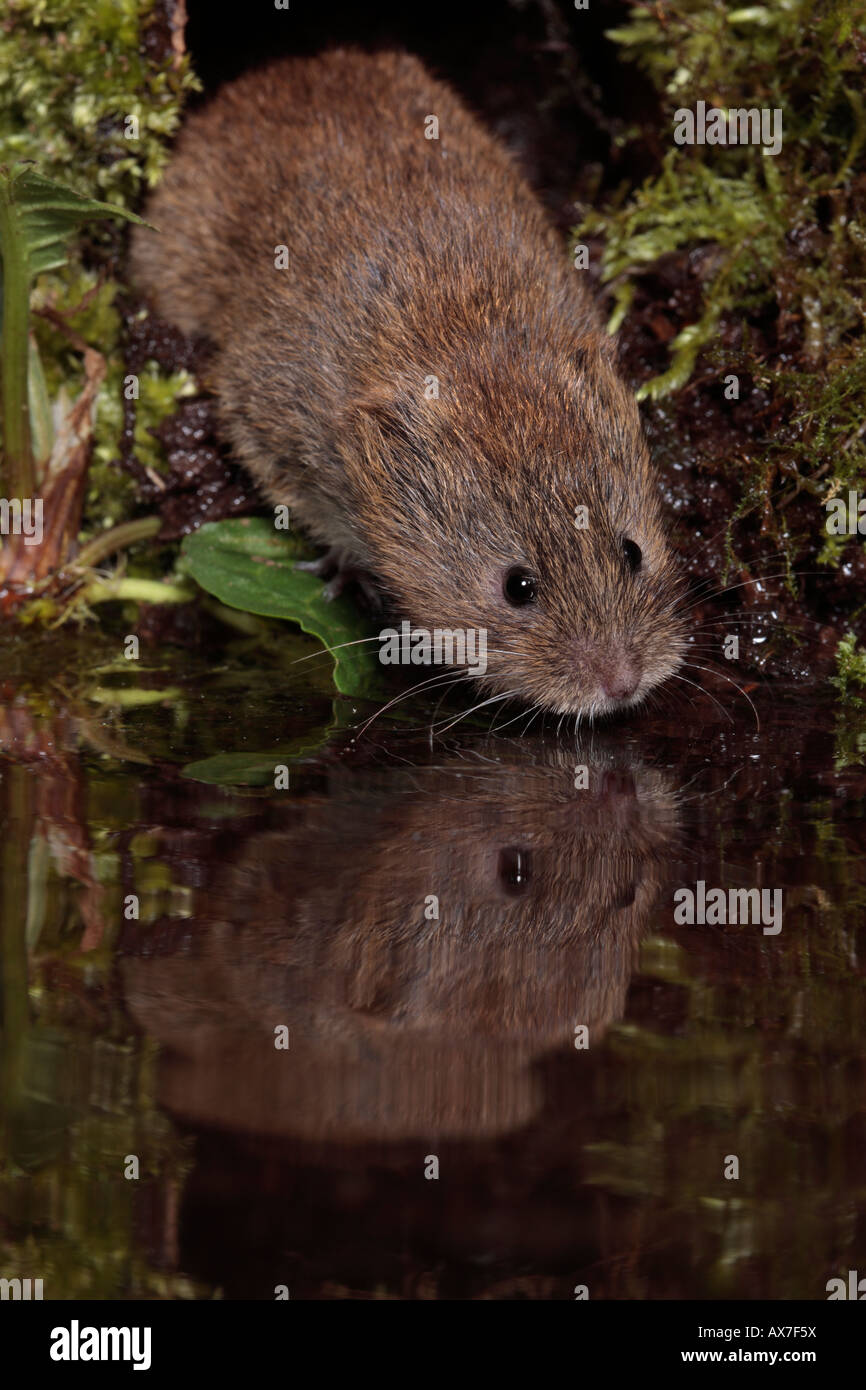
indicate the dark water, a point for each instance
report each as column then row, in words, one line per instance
column 412, row 1037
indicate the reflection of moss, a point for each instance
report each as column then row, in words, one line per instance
column 81, row 1105
column 72, row 78
column 850, row 744
column 77, row 1086
column 756, row 1066
column 784, row 237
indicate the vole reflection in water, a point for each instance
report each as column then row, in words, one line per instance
column 401, row 1023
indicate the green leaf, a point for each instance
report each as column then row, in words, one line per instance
column 45, row 213
column 246, row 564
column 36, row 219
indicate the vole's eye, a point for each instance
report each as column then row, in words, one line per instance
column 520, row 587
column 626, row 896
column 515, row 870
column 633, row 554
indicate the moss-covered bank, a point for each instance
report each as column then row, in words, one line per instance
column 739, row 279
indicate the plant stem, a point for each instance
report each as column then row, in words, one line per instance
column 19, row 816
column 117, row 538
column 247, row 623
column 19, row 480
column 132, row 698
column 41, row 422
column 141, row 590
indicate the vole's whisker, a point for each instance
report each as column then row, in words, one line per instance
column 710, row 639
column 508, row 694
column 327, row 650
column 726, row 620
column 447, row 676
column 729, row 589
column 521, row 714
column 711, row 671
column 745, row 583
column 678, row 677
column 439, row 705
column 539, row 710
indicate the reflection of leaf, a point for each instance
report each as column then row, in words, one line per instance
column 255, row 768
column 246, row 564
column 246, row 769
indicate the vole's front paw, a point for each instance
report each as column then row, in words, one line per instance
column 338, row 564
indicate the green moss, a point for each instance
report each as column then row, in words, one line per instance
column 70, row 76
column 85, row 302
column 75, row 81
column 784, row 236
column 799, row 58
column 108, row 489
column 850, row 679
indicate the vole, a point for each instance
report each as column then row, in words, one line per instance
column 406, row 356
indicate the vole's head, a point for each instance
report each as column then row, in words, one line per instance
column 521, row 502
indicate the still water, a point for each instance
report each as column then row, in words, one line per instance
column 466, row 948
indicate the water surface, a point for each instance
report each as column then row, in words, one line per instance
column 431, row 924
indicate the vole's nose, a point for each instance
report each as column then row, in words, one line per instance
column 619, row 676
column 611, row 664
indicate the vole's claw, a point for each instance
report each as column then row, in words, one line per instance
column 324, row 565
column 336, row 586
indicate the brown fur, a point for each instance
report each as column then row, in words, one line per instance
column 409, row 258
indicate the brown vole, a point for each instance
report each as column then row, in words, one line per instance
column 426, row 383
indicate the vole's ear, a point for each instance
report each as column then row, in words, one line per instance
column 377, row 409
column 595, row 346
column 381, row 418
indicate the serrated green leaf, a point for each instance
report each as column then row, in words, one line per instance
column 37, row 217
column 45, row 213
